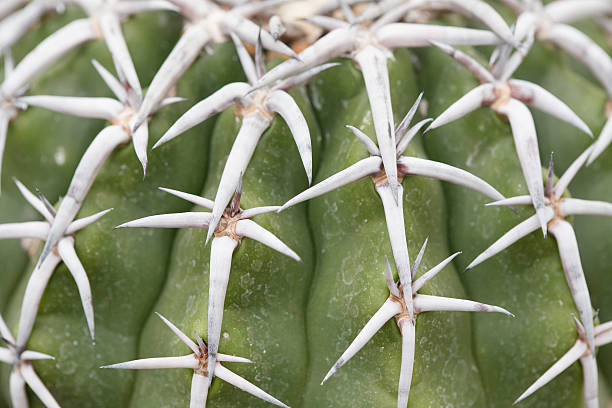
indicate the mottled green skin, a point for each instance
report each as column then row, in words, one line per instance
column 588, row 100
column 126, row 268
column 266, row 296
column 527, row 278
column 295, row 319
column 38, row 143
column 349, row 286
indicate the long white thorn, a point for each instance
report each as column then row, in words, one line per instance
column 390, row 281
column 428, row 303
column 7, row 356
column 250, row 229
column 304, row 76
column 33, row 294
column 526, row 144
column 195, row 199
column 512, row 201
column 250, row 32
column 568, row 11
column 19, row 397
column 281, row 102
column 388, row 309
column 373, row 63
column 195, row 219
column 333, row 44
column 575, row 206
column 188, row 361
column 401, row 129
column 347, row 11
column 7, row 6
column 519, row 231
column 86, row 221
column 327, row 23
column 232, row 359
column 46, row 203
column 215, row 103
column 557, row 368
column 538, row 97
column 404, row 35
column 394, row 217
column 35, row 355
column 113, row 84
column 253, row 212
column 245, row 59
column 505, row 69
column 239, row 382
column 365, row 140
column 239, row 157
column 170, row 101
column 589, row 375
column 602, row 142
column 427, row 276
column 90, row 164
column 571, row 172
column 46, row 53
column 408, row 331
column 98, row 108
column 603, row 334
column 34, row 201
column 482, row 74
column 475, row 9
column 66, row 250
column 585, row 50
column 199, row 391
column 5, row 332
column 260, row 65
column 417, row 261
column 574, row 274
column 363, row 168
column 4, row 123
column 601, row 330
column 111, row 31
column 36, row 385
column 445, row 172
column 140, row 140
column 474, row 99
column 32, row 229
column 220, row 265
column 178, row 333
column 189, row 46
column 14, row 27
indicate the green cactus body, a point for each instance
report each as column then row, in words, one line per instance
column 511, row 353
column 38, row 143
column 294, row 319
column 347, row 290
column 135, row 261
column 264, row 317
column 592, row 182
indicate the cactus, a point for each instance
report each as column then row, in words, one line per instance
column 284, row 207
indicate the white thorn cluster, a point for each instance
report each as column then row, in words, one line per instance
column 368, row 39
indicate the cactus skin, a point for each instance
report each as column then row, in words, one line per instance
column 127, row 270
column 510, row 351
column 348, row 290
column 264, row 287
column 38, row 140
column 293, row 320
column 592, row 182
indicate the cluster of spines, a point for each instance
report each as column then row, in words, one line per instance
column 369, row 45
